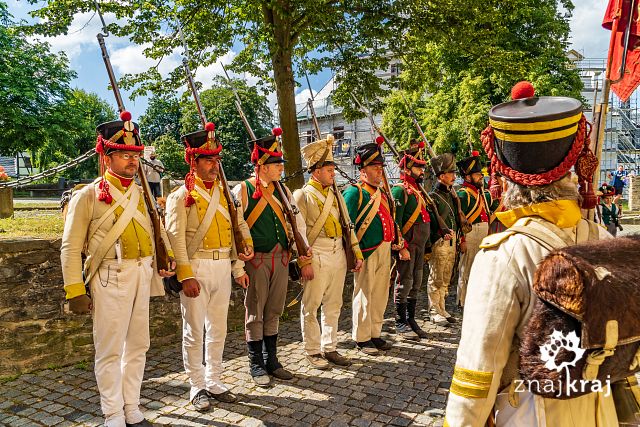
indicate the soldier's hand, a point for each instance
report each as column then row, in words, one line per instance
column 243, row 280
column 191, row 288
column 172, row 269
column 358, row 266
column 449, row 236
column 304, row 259
column 404, row 254
column 81, row 304
column 463, row 247
column 247, row 255
column 306, row 273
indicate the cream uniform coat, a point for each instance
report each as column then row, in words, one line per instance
column 84, row 218
column 500, row 301
column 183, row 223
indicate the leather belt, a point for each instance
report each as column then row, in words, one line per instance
column 215, row 255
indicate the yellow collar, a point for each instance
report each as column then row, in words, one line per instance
column 315, row 184
column 200, row 183
column 563, row 213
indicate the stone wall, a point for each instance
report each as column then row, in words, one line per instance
column 35, row 330
column 634, row 193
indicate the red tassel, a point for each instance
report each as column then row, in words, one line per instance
column 589, row 198
column 258, row 192
column 190, row 183
column 104, row 195
column 495, row 187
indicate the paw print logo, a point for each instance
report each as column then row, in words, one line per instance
column 558, row 341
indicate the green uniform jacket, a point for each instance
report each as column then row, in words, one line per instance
column 447, row 208
column 468, row 202
column 406, row 204
column 609, row 215
column 267, row 231
column 357, row 201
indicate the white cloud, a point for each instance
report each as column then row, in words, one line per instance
column 131, row 59
column 587, row 35
column 303, row 95
column 82, row 35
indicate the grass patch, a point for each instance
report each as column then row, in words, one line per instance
column 84, row 365
column 8, row 378
column 17, row 203
column 39, row 224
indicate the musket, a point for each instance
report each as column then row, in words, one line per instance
column 462, row 218
column 289, row 209
column 232, row 203
column 162, row 255
column 441, row 224
column 345, row 221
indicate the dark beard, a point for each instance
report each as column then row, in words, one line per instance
column 417, row 179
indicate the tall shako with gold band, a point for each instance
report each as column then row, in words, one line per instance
column 477, row 205
column 444, row 241
column 264, row 211
column 109, row 222
column 199, row 225
column 320, row 207
column 370, row 212
column 414, row 222
column 543, row 215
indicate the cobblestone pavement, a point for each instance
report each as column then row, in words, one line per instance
column 406, row 386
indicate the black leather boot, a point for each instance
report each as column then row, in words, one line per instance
column 411, row 319
column 402, row 327
column 270, row 353
column 257, row 368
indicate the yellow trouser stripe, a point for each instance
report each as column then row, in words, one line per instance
column 553, row 124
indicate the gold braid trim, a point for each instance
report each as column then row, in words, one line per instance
column 473, row 377
column 469, row 391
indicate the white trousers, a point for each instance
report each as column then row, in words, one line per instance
column 206, row 311
column 120, row 295
column 329, row 269
column 371, row 293
column 478, row 232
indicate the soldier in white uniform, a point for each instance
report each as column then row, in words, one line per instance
column 529, row 141
column 108, row 221
column 200, row 229
column 318, row 204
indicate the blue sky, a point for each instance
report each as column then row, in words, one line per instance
column 83, row 51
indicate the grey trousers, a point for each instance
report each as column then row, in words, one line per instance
column 409, row 277
column 266, row 294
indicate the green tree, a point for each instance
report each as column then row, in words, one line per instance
column 33, row 81
column 162, row 117
column 219, row 107
column 171, row 153
column 453, row 77
column 276, row 36
column 74, row 133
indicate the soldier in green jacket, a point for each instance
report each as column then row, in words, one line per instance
column 268, row 270
column 370, row 211
column 478, row 211
column 444, row 246
column 414, row 223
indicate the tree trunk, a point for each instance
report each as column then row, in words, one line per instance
column 285, row 92
column 281, row 53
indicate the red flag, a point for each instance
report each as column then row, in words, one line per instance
column 616, row 19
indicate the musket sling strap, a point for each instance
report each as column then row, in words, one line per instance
column 214, row 206
column 327, row 209
column 475, row 212
column 267, row 198
column 118, row 228
column 414, row 216
column 374, row 202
